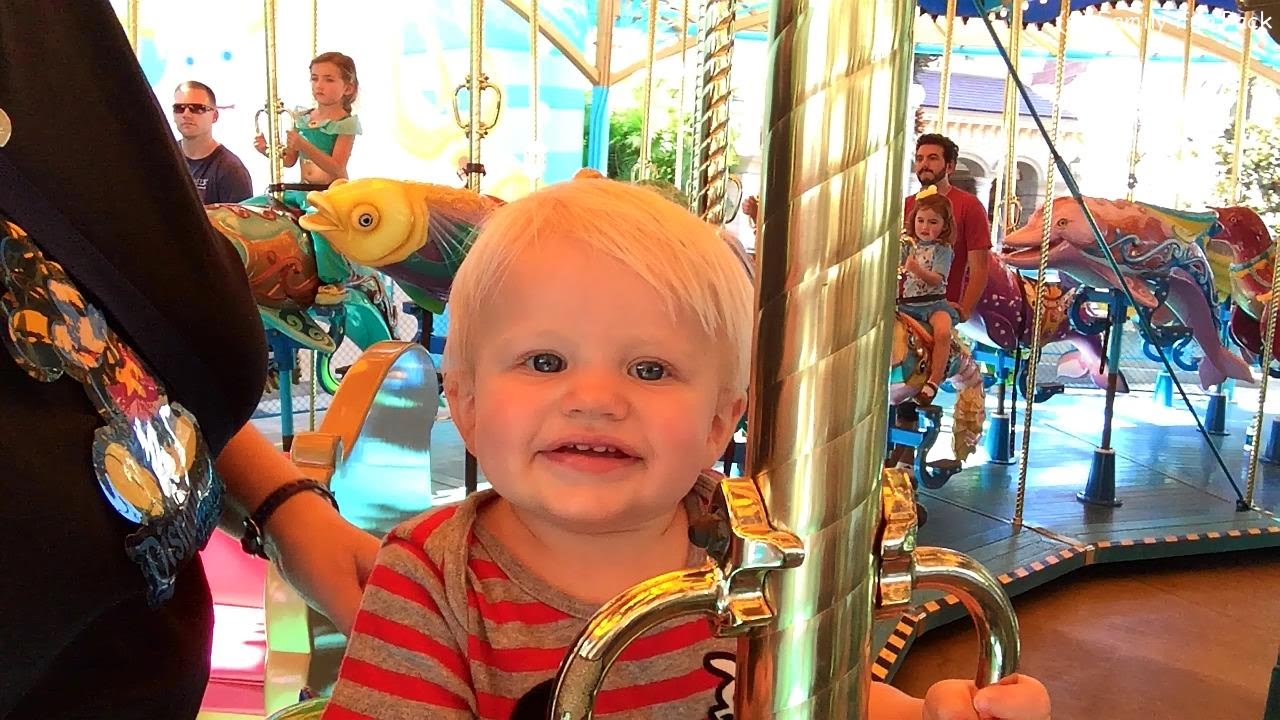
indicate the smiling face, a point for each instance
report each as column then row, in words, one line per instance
column 588, row 404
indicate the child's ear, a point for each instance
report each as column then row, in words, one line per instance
column 459, row 390
column 729, row 410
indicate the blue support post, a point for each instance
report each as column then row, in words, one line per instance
column 1101, row 486
column 598, row 130
column 1163, row 393
column 999, row 438
column 1271, row 455
column 282, row 348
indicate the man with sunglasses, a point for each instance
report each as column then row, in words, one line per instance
column 219, row 176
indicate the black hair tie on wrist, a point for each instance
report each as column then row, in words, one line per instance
column 252, row 540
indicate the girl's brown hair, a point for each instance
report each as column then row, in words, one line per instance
column 347, row 67
column 941, row 205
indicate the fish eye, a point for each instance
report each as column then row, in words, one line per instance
column 364, row 217
column 1062, row 222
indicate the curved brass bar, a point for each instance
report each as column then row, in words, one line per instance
column 623, row 619
column 986, row 601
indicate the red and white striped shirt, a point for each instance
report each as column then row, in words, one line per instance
column 452, row 626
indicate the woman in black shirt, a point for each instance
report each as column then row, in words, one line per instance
column 86, row 631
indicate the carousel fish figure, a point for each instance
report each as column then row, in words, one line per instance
column 280, row 262
column 1161, row 259
column 1004, row 318
column 417, row 233
column 1244, row 236
column 294, row 277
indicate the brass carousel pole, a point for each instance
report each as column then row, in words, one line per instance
column 131, row 24
column 533, row 93
column 1037, row 333
column 470, row 472
column 476, row 129
column 1186, row 77
column 311, row 406
column 835, row 135
column 944, row 81
column 1268, row 337
column 1143, row 38
column 274, row 155
column 711, row 173
column 1012, row 207
column 643, row 170
column 684, row 81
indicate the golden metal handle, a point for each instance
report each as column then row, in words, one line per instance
column 280, row 110
column 988, row 604
column 905, row 567
column 742, row 547
column 485, row 126
column 622, row 620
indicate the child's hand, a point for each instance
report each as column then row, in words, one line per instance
column 1017, row 697
column 260, row 143
column 295, row 142
column 912, row 265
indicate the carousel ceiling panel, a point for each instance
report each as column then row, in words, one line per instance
column 1035, row 12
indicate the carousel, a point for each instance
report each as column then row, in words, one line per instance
column 1106, row 401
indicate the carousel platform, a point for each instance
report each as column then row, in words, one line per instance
column 1175, row 501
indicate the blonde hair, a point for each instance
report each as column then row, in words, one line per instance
column 684, row 259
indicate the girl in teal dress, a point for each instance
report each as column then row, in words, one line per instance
column 322, row 138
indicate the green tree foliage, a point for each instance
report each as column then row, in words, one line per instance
column 625, row 136
column 1259, row 170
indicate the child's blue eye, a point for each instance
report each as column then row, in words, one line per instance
column 649, row 370
column 545, row 363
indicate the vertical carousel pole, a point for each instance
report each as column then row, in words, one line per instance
column 1268, row 339
column 643, row 170
column 711, row 172
column 1012, row 207
column 680, row 181
column 311, row 406
column 835, row 137
column 533, row 94
column 1101, row 486
column 476, row 129
column 944, row 81
column 1186, row 78
column 131, row 24
column 1143, row 38
column 282, row 349
column 1037, row 333
column 1000, row 443
column 474, row 80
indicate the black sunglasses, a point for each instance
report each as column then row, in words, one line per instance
column 193, row 108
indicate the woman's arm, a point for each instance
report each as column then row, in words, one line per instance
column 324, row 557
